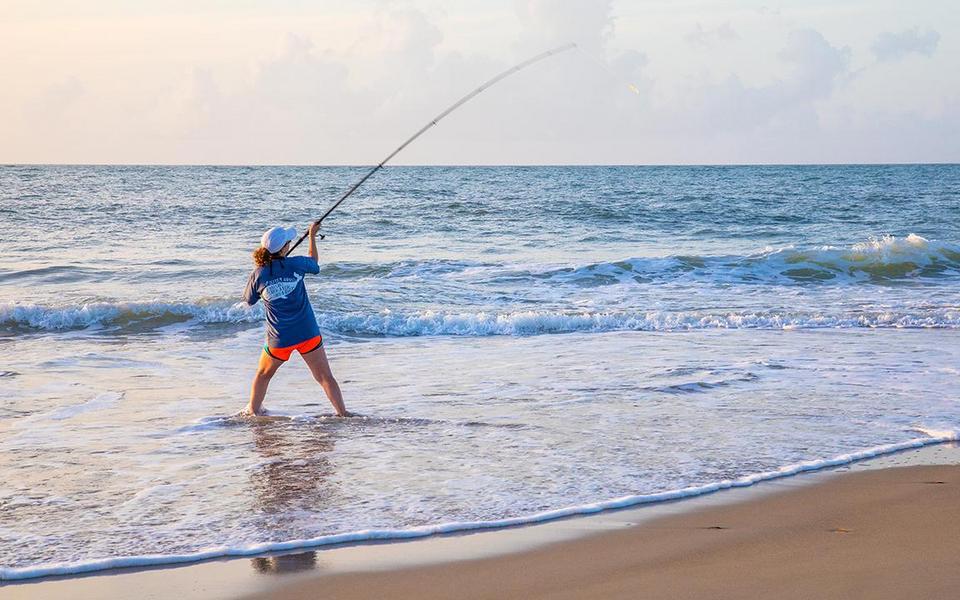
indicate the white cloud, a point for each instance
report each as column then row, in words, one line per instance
column 53, row 103
column 817, row 65
column 589, row 23
column 891, row 46
column 813, row 68
column 328, row 83
column 707, row 38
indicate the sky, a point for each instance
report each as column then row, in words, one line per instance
column 332, row 82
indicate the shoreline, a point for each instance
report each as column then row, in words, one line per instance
column 229, row 578
column 876, row 534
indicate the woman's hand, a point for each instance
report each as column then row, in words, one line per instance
column 314, row 228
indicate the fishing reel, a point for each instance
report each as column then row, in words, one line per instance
column 307, row 232
column 303, row 237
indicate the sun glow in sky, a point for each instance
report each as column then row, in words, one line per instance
column 329, row 82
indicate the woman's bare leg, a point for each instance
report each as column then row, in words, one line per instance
column 265, row 369
column 317, row 361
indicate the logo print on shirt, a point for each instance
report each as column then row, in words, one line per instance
column 281, row 288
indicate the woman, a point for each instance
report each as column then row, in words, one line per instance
column 291, row 324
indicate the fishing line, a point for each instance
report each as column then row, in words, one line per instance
column 433, row 122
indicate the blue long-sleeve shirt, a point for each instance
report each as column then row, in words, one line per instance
column 290, row 318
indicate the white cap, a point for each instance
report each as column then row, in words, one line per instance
column 274, row 238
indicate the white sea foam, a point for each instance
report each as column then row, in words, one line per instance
column 207, row 423
column 164, row 490
column 518, row 323
column 534, row 322
column 74, row 568
column 98, row 402
column 103, row 313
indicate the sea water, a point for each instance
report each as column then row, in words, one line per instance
column 517, row 340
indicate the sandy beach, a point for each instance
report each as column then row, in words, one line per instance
column 889, row 533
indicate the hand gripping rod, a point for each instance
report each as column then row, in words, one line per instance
column 433, row 122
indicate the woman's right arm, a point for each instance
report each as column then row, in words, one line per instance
column 314, row 228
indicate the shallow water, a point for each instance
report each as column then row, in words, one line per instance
column 518, row 339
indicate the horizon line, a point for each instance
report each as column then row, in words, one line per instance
column 480, row 165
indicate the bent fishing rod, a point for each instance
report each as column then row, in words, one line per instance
column 433, row 122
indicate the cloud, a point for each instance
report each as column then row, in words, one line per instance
column 320, row 87
column 406, row 38
column 891, row 46
column 56, row 110
column 58, row 98
column 306, row 105
column 817, row 65
column 710, row 37
column 589, row 23
column 292, row 102
column 814, row 69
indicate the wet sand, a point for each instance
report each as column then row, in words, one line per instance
column 891, row 533
column 881, row 528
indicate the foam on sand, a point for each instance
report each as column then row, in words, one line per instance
column 22, row 573
column 63, row 413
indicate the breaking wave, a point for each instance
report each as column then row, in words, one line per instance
column 883, row 260
column 123, row 314
column 387, row 323
column 527, row 323
column 879, row 260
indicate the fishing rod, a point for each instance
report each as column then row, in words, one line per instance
column 433, row 122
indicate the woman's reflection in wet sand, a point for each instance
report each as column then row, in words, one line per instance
column 291, row 484
column 285, row 563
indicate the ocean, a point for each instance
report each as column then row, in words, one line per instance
column 519, row 342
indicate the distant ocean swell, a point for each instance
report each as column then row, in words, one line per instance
column 47, row 570
column 134, row 317
column 878, row 260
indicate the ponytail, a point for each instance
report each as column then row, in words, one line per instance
column 262, row 257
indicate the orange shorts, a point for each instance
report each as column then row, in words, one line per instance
column 305, row 347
